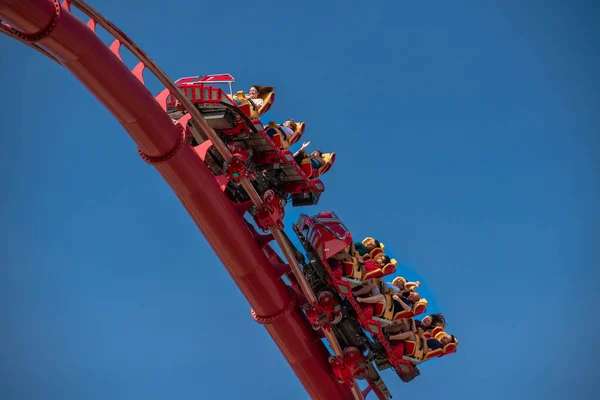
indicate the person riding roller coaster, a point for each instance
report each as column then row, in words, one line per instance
column 404, row 286
column 430, row 322
column 286, row 134
column 409, row 337
column 426, row 326
column 314, row 164
column 429, row 344
column 376, row 291
column 257, row 97
column 368, row 245
column 375, row 265
column 360, row 269
column 288, row 128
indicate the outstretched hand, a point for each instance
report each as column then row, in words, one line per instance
column 305, row 145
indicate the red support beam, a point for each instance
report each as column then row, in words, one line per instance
column 80, row 51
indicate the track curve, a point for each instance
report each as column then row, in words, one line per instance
column 75, row 46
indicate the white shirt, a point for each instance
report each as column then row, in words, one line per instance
column 287, row 131
column 258, row 102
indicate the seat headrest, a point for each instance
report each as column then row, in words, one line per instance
column 329, row 160
column 450, row 347
column 376, row 273
column 419, row 307
column 433, row 354
column 300, row 126
column 437, row 330
column 388, row 269
column 267, row 94
column 329, row 157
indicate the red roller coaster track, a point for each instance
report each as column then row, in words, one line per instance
column 50, row 28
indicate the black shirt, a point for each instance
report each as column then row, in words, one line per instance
column 434, row 344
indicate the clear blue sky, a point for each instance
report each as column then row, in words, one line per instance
column 468, row 140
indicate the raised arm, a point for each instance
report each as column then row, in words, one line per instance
column 412, row 285
column 304, row 145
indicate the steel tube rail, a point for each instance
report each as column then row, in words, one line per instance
column 79, row 50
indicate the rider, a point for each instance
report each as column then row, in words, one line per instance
column 432, row 321
column 366, row 246
column 253, row 96
column 434, row 344
column 371, row 293
column 403, row 286
column 405, row 302
column 317, row 158
column 288, row 128
column 371, row 290
column 254, row 93
column 380, row 261
column 402, row 329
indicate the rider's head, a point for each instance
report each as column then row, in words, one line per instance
column 414, row 297
column 290, row 123
column 447, row 339
column 434, row 320
column 371, row 243
column 382, row 260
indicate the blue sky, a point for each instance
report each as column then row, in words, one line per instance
column 467, row 141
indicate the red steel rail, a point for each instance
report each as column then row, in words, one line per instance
column 56, row 33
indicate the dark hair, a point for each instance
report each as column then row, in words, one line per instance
column 386, row 259
column 438, row 320
column 263, row 89
column 377, row 244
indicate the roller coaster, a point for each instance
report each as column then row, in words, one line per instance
column 235, row 176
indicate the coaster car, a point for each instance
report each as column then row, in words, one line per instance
column 223, row 112
column 218, row 109
column 237, row 125
column 324, row 236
